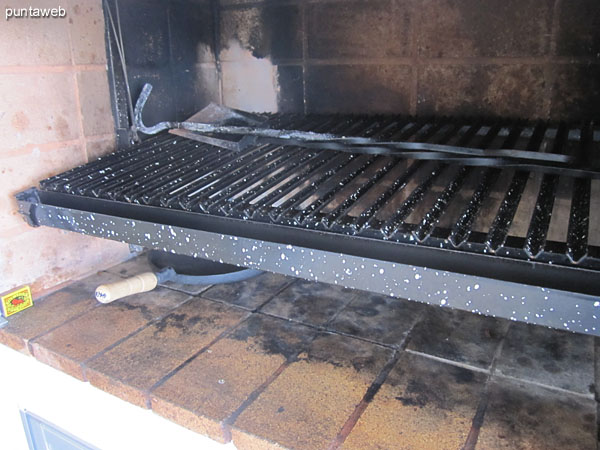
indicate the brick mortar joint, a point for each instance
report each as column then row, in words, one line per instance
column 137, row 331
column 479, row 417
column 373, row 389
column 500, row 376
column 229, row 422
column 189, row 360
column 36, row 69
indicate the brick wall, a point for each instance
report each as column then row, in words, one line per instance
column 527, row 58
column 55, row 113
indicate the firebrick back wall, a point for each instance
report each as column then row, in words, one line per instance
column 524, row 58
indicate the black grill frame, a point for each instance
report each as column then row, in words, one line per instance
column 166, row 171
column 176, row 182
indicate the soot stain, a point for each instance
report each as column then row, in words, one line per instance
column 172, row 320
column 420, row 393
column 463, row 376
column 524, row 361
column 143, row 309
column 363, row 363
column 367, row 311
column 271, row 31
column 555, row 348
column 419, row 401
column 272, row 337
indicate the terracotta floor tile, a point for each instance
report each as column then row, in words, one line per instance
column 458, row 336
column 523, row 416
column 131, row 368
column 307, row 405
column 216, row 383
column 309, row 302
column 550, row 357
column 52, row 310
column 249, row 294
column 423, row 404
column 245, row 441
column 378, row 317
column 69, row 345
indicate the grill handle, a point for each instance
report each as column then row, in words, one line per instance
column 144, row 282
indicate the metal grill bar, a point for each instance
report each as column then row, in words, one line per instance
column 579, row 221
column 331, row 218
column 368, row 196
column 428, row 222
column 540, row 221
column 367, row 216
column 396, row 222
column 501, row 225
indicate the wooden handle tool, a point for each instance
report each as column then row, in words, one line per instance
column 143, row 282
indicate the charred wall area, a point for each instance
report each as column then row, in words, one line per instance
column 516, row 58
column 164, row 44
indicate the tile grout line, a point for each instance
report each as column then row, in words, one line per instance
column 449, row 362
column 185, row 363
column 283, row 288
column 544, row 386
column 196, row 294
column 33, row 340
column 365, row 401
column 477, row 422
column 372, row 390
column 323, row 329
column 243, row 308
column 478, row 418
column 137, row 331
column 83, row 364
column 228, row 423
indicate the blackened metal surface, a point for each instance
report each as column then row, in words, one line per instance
column 422, row 203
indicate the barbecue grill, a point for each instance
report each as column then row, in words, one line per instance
column 506, row 238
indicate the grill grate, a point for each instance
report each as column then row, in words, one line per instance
column 492, row 210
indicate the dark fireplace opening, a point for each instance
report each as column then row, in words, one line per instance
column 519, row 59
column 494, row 104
